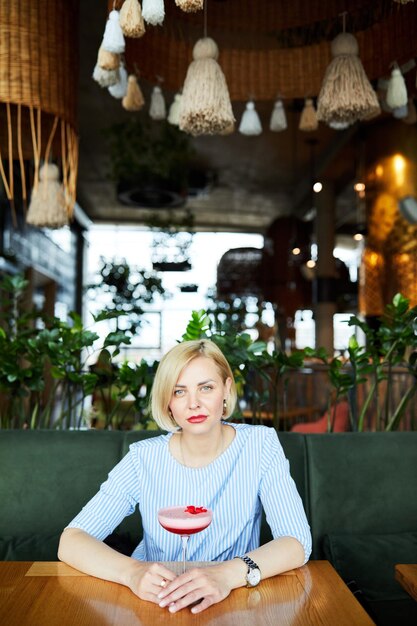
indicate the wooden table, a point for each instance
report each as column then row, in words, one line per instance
column 407, row 577
column 54, row 594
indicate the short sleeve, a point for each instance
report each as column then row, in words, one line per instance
column 279, row 496
column 116, row 499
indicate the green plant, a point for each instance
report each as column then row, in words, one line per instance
column 389, row 350
column 142, row 152
column 127, row 289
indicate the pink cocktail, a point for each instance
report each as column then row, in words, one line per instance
column 184, row 521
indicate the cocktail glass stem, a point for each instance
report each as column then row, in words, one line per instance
column 184, row 542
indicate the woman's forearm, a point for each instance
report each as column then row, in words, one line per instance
column 272, row 558
column 91, row 556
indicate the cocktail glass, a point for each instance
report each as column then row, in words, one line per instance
column 184, row 521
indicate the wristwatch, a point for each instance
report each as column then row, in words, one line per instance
column 253, row 575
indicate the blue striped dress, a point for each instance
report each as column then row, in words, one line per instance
column 250, row 474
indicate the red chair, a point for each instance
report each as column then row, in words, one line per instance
column 340, row 421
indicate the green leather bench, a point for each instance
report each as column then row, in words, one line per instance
column 359, row 491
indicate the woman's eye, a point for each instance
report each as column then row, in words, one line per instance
column 178, row 392
column 206, row 388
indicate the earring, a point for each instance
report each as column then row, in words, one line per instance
column 224, row 406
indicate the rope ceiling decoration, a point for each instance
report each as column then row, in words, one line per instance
column 271, row 48
column 38, row 103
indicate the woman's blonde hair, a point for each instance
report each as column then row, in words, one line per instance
column 169, row 370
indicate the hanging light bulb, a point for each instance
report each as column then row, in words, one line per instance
column 250, row 124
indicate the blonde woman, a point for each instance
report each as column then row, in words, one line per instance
column 234, row 469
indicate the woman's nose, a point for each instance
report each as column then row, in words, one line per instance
column 193, row 401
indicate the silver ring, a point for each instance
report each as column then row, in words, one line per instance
column 163, row 582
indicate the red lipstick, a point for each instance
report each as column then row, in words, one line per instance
column 197, row 419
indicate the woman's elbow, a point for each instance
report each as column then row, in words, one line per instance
column 66, row 543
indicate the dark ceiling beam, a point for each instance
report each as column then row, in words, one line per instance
column 303, row 191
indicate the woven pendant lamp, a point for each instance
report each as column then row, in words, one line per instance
column 113, row 38
column 250, row 124
column 133, row 100
column 278, row 119
column 308, row 119
column 190, row 6
column 131, row 19
column 346, row 94
column 396, row 91
column 205, row 104
column 174, row 110
column 48, row 206
column 38, row 94
column 153, row 11
column 157, row 108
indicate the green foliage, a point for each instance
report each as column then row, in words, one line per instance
column 142, row 151
column 128, row 289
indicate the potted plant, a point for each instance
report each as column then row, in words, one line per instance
column 149, row 162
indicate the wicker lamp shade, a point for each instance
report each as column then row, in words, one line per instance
column 38, row 90
column 268, row 47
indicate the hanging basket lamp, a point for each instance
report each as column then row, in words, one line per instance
column 38, row 93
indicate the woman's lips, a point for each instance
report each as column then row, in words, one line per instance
column 197, row 419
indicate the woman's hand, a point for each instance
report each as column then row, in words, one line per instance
column 205, row 585
column 147, row 579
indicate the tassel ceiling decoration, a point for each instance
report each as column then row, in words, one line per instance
column 131, row 19
column 346, row 94
column 153, row 11
column 157, row 108
column 397, row 91
column 38, row 97
column 174, row 110
column 133, row 100
column 119, row 89
column 108, row 60
column 250, row 124
column 48, row 206
column 308, row 118
column 105, row 78
column 113, row 38
column 190, row 6
column 205, row 104
column 278, row 119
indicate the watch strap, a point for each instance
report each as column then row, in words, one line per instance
column 251, row 566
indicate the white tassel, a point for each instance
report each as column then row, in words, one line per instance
column 105, row 78
column 113, row 39
column 397, row 91
column 157, row 108
column 153, row 11
column 48, row 207
column 120, row 88
column 131, row 19
column 278, row 118
column 250, row 124
column 174, row 110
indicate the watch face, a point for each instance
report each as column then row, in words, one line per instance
column 253, row 577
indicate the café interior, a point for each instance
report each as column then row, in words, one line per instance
column 292, row 121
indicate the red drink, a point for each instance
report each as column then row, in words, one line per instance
column 179, row 519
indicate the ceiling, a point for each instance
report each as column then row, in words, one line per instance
column 257, row 179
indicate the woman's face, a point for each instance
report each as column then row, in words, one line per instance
column 197, row 398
